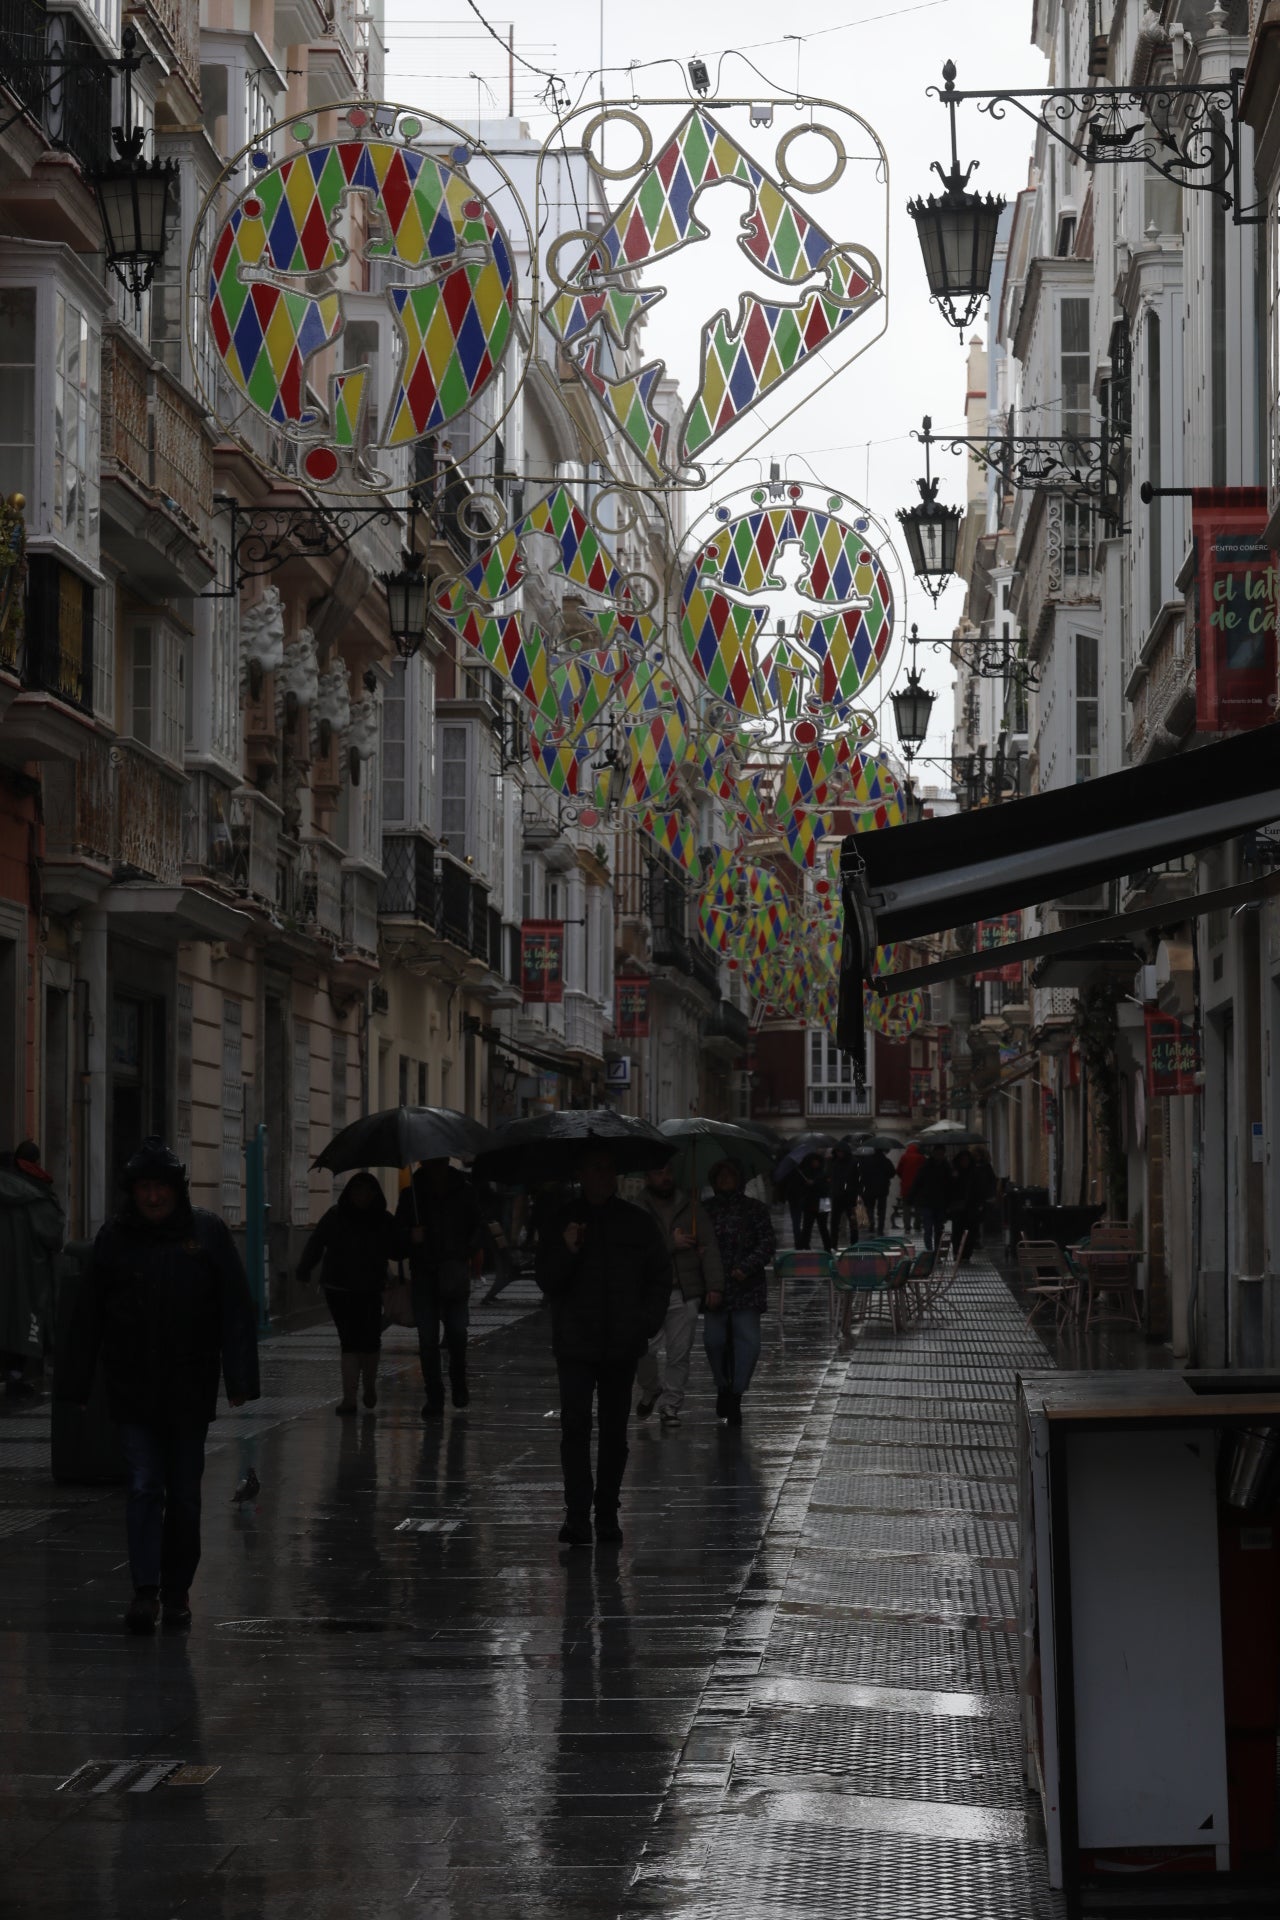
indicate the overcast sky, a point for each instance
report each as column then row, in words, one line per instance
column 876, row 57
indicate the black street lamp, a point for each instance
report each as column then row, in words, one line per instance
column 957, row 231
column 912, row 706
column 932, row 531
column 406, row 592
column 136, row 197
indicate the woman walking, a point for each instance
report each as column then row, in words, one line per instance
column 352, row 1245
column 731, row 1319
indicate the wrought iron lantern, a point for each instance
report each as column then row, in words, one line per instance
column 406, row 592
column 137, row 198
column 912, row 706
column 932, row 531
column 957, row 230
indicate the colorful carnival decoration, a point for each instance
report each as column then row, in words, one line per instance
column 823, row 787
column 774, row 181
column 547, row 606
column 786, row 609
column 629, row 752
column 290, row 239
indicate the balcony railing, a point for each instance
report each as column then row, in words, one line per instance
column 843, row 1101
column 409, row 888
column 149, row 808
column 179, row 21
column 583, row 1025
column 1164, row 703
column 151, row 434
column 321, row 889
column 80, row 805
column 73, row 106
column 727, row 1022
column 57, row 651
column 255, row 845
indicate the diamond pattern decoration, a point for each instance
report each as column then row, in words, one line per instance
column 810, row 570
column 454, row 324
column 750, row 344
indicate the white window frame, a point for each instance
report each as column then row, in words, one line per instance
column 829, row 1083
column 154, row 706
column 54, row 273
column 1072, row 425
column 411, row 764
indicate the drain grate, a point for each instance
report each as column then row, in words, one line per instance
column 896, row 1587
column 911, row 1493
column 428, row 1526
column 893, row 1653
column 970, row 1464
column 135, row 1776
column 285, row 1626
column 929, row 1432
column 924, row 1533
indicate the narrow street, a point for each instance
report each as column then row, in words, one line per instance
column 791, row 1691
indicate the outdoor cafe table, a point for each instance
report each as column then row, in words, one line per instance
column 860, row 1270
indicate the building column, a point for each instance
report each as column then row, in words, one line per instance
column 95, row 1042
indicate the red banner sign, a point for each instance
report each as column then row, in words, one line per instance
column 542, row 962
column 1000, row 933
column 1173, row 1055
column 631, row 1006
column 1236, row 612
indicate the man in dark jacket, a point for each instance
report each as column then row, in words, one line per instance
column 931, row 1193
column 605, row 1268
column 842, row 1179
column 876, row 1175
column 164, row 1304
column 440, row 1227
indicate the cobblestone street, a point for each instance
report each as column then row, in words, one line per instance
column 792, row 1690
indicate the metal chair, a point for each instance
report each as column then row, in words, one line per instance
column 802, row 1263
column 1046, row 1279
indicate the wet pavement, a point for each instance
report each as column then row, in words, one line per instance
column 790, row 1691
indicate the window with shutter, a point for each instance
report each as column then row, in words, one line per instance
column 299, row 1172
column 229, row 1196
column 393, row 748
column 455, row 767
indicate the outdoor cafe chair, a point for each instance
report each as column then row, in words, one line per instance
column 803, row 1263
column 1047, row 1280
column 873, row 1280
column 1109, row 1269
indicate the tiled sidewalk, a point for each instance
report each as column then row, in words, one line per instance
column 856, row 1750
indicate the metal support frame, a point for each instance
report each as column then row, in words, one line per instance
column 1090, row 466
column 266, row 538
column 988, row 657
column 1190, row 133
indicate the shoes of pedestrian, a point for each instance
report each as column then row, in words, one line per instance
column 371, row 1396
column 345, row 1406
column 175, row 1614
column 432, row 1409
column 669, row 1417
column 722, row 1403
column 142, row 1613
column 645, row 1407
column 575, row 1533
column 608, row 1532
column 733, row 1409
column 459, row 1391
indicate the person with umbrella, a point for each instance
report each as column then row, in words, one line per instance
column 605, row 1268
column 351, row 1245
column 932, row 1192
column 843, row 1182
column 439, row 1228
column 875, row 1171
column 695, row 1271
column 731, row 1320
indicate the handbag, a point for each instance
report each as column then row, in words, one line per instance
column 397, row 1304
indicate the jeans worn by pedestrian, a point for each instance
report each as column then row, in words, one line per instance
column 162, row 1510
column 607, row 1384
column 732, row 1342
column 676, row 1336
column 934, row 1220
column 435, row 1309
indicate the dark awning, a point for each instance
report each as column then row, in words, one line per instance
column 974, row 866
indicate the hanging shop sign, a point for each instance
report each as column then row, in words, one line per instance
column 542, row 962
column 297, row 228
column 1236, row 610
column 992, row 934
column 743, row 239
column 631, row 1006
column 1173, row 1055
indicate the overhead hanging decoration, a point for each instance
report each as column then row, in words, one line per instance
column 302, row 236
column 741, row 252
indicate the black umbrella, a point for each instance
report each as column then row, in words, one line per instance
column 547, row 1146
column 402, row 1135
column 812, row 1143
column 879, row 1142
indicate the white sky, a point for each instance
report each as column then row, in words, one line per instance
column 874, row 56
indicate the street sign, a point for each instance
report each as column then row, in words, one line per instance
column 617, row 1074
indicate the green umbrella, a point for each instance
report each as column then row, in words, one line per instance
column 702, row 1143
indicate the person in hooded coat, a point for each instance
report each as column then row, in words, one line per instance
column 731, row 1318
column 31, row 1232
column 352, row 1244
column 165, row 1306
